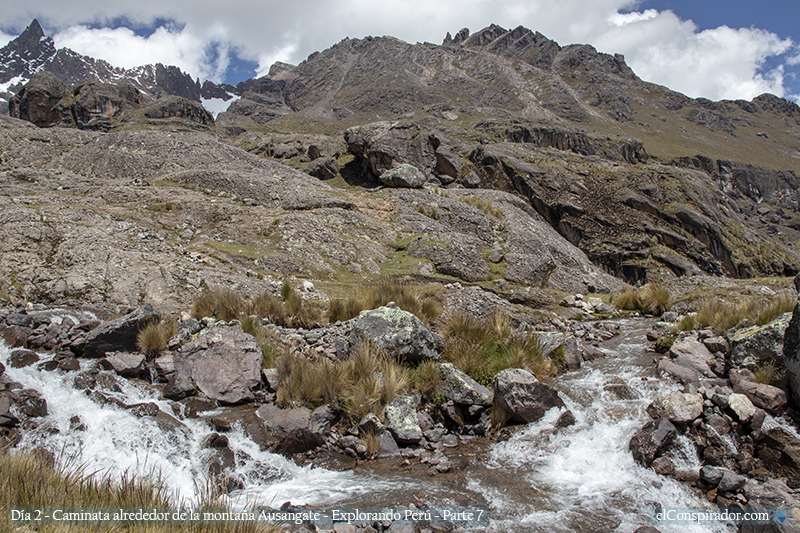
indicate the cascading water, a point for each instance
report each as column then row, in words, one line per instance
column 578, row 478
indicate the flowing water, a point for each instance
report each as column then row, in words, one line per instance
column 579, row 478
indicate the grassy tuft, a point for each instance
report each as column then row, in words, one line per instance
column 222, row 304
column 30, row 480
column 372, row 442
column 653, row 299
column 427, row 308
column 426, row 377
column 482, row 348
column 482, row 205
column 153, row 338
column 769, row 373
column 722, row 316
column 271, row 345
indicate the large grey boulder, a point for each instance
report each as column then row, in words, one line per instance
column 765, row 396
column 791, row 350
column 399, row 333
column 401, row 420
column 692, row 354
column 119, row 334
column 126, row 364
column 403, row 176
column 462, row 389
column 522, row 396
column 678, row 407
column 750, row 346
column 652, row 440
column 225, row 364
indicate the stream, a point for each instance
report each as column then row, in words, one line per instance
column 579, row 478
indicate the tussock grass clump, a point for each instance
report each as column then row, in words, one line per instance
column 482, row 348
column 426, row 378
column 364, row 383
column 289, row 311
column 722, row 316
column 153, row 338
column 775, row 307
column 426, row 307
column 223, row 304
column 485, row 206
column 628, row 300
column 653, row 299
column 30, row 480
column 428, row 211
column 372, row 442
column 769, row 373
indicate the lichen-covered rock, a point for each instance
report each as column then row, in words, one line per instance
column 678, row 407
column 522, row 396
column 399, row 333
column 741, row 406
column 652, row 440
column 225, row 364
column 401, row 420
column 119, row 334
column 753, row 345
column 462, row 389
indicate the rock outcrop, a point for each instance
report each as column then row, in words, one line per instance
column 225, row 364
column 523, row 397
column 398, row 333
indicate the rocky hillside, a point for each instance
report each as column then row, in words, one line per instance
column 499, row 158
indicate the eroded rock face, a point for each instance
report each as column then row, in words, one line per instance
column 37, row 102
column 95, row 105
column 399, row 333
column 177, row 107
column 522, row 396
column 225, row 364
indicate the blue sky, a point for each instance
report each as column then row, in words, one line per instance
column 711, row 48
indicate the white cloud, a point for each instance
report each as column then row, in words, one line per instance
column 660, row 47
column 715, row 63
column 4, row 38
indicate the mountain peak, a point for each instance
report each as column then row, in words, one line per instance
column 30, row 38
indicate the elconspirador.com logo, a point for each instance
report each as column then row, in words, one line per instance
column 687, row 516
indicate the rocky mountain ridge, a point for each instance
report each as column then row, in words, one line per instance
column 34, row 52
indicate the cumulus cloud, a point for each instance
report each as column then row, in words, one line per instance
column 716, row 63
column 660, row 47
